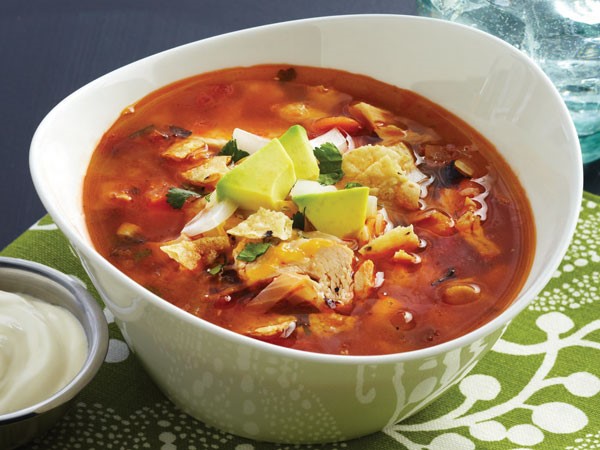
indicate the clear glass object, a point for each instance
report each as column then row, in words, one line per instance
column 562, row 36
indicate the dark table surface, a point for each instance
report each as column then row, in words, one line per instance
column 49, row 49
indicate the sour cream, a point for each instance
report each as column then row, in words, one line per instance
column 42, row 348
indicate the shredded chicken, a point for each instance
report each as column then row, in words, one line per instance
column 331, row 267
column 434, row 220
column 324, row 261
column 298, row 112
column 364, row 279
column 469, row 227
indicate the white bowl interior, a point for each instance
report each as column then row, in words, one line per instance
column 488, row 84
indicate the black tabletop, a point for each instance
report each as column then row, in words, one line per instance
column 49, row 49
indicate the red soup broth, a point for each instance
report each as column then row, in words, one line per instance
column 470, row 216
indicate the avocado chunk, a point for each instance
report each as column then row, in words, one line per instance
column 296, row 144
column 263, row 179
column 341, row 213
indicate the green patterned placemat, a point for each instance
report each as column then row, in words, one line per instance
column 537, row 389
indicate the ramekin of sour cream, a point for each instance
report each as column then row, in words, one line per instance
column 42, row 348
column 53, row 341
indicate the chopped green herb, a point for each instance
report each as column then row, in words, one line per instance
column 176, row 197
column 286, row 74
column 141, row 254
column 252, row 251
column 142, row 132
column 330, row 163
column 216, row 269
column 179, row 132
column 207, row 196
column 231, row 149
column 352, row 184
column 450, row 273
column 298, row 221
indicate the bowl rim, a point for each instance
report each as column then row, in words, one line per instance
column 520, row 302
column 97, row 345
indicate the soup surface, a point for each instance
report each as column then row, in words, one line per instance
column 310, row 208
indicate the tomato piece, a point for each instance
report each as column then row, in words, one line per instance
column 156, row 196
column 345, row 123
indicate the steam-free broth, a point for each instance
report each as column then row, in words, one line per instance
column 347, row 216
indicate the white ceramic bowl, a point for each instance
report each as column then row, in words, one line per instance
column 265, row 392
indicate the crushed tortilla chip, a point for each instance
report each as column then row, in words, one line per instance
column 373, row 115
column 399, row 238
column 384, row 170
column 190, row 253
column 331, row 324
column 264, row 223
column 402, row 256
column 208, row 173
column 282, row 329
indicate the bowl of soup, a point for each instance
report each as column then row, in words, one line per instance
column 309, row 231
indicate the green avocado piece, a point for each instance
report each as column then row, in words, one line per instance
column 341, row 213
column 296, row 144
column 262, row 179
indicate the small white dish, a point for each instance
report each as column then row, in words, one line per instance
column 49, row 285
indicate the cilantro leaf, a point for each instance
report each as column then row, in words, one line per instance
column 231, row 149
column 215, row 270
column 328, row 179
column 330, row 163
column 298, row 221
column 141, row 254
column 176, row 197
column 352, row 184
column 286, row 74
column 252, row 251
column 142, row 131
column 179, row 132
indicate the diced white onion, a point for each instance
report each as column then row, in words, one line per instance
column 387, row 219
column 379, row 279
column 210, row 217
column 303, row 187
column 278, row 289
column 371, row 206
column 349, row 141
column 289, row 330
column 249, row 142
column 333, row 136
column 416, row 175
